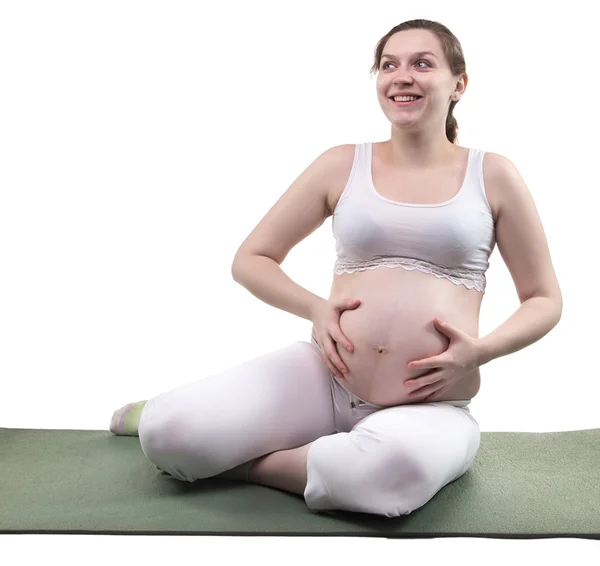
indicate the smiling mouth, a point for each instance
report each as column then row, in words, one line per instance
column 407, row 103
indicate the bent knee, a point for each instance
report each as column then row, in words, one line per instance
column 162, row 436
column 388, row 483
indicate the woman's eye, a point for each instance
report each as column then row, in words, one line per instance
column 419, row 61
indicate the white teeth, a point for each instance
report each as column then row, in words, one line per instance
column 404, row 98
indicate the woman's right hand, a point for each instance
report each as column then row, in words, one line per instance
column 328, row 333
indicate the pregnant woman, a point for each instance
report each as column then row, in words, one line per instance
column 345, row 419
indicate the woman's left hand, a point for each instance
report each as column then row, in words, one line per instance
column 460, row 358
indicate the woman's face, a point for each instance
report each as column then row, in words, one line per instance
column 404, row 67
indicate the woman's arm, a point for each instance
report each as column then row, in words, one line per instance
column 531, row 321
column 524, row 248
column 267, row 281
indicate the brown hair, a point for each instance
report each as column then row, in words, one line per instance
column 452, row 52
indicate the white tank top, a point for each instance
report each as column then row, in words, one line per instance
column 453, row 239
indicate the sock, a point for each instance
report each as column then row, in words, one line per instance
column 126, row 419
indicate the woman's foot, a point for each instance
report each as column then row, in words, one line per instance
column 125, row 421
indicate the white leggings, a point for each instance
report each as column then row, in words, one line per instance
column 367, row 458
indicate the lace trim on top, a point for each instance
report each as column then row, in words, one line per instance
column 467, row 277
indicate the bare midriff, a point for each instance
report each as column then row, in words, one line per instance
column 394, row 325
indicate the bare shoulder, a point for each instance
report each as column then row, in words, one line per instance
column 339, row 160
column 495, row 169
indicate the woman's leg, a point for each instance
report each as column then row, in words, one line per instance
column 394, row 460
column 277, row 401
column 287, row 469
column 283, row 469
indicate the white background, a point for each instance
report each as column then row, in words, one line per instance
column 141, row 142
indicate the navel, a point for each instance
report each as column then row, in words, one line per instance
column 380, row 349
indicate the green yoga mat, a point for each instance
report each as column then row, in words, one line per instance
column 521, row 485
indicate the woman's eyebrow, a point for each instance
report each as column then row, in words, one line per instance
column 417, row 54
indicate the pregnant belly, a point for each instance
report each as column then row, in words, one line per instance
column 394, row 326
